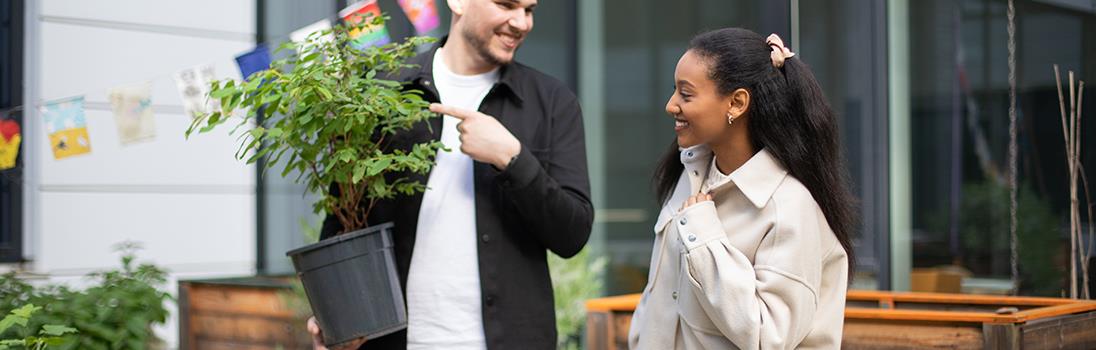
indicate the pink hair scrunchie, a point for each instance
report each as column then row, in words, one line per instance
column 780, row 52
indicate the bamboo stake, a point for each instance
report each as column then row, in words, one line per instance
column 1069, row 165
column 1084, row 248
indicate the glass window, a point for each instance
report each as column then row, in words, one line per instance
column 11, row 97
column 959, row 118
column 844, row 43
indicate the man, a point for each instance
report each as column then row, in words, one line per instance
column 471, row 250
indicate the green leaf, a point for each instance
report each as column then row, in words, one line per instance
column 222, row 92
column 55, row 330
column 274, row 132
column 378, row 166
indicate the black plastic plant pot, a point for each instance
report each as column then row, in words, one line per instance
column 351, row 283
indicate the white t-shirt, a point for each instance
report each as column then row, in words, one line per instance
column 444, row 309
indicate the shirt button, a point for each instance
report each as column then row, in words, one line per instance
column 689, row 154
column 692, row 238
column 489, row 300
column 674, row 295
column 485, row 238
column 683, row 221
column 426, row 82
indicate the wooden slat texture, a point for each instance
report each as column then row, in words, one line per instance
column 226, row 316
column 886, row 335
column 890, row 320
column 248, row 300
column 597, row 330
column 1066, row 332
column 244, row 328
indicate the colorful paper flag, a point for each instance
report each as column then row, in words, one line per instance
column 132, row 107
column 10, row 137
column 370, row 34
column 254, row 61
column 422, row 13
column 67, row 127
column 300, row 36
column 193, row 84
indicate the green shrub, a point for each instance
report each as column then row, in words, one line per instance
column 574, row 281
column 50, row 334
column 116, row 312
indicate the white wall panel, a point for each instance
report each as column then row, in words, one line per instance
column 80, row 60
column 222, row 15
column 192, row 232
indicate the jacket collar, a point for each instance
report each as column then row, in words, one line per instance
column 422, row 73
column 758, row 178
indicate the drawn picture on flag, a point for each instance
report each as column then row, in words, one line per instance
column 67, row 127
column 369, row 35
column 422, row 13
column 10, row 137
column 132, row 106
column 193, row 84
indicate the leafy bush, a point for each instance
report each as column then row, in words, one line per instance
column 574, row 281
column 984, row 236
column 116, row 312
column 50, row 334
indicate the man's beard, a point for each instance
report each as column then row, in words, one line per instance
column 480, row 46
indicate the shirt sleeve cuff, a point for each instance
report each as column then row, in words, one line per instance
column 699, row 224
column 521, row 171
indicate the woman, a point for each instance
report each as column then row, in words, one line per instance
column 752, row 244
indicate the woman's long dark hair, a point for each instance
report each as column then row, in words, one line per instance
column 788, row 116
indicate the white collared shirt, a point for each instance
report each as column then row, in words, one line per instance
column 757, row 268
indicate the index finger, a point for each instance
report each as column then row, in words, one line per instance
column 455, row 112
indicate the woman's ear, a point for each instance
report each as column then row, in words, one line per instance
column 456, row 7
column 738, row 102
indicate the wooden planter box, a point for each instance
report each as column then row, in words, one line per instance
column 889, row 320
column 239, row 313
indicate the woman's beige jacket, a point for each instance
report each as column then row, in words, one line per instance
column 758, row 268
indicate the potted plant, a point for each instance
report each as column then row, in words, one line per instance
column 330, row 112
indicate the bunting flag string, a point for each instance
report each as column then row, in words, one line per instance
column 131, row 105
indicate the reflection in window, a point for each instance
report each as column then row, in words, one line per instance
column 960, row 139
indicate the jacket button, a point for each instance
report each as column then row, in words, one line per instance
column 696, row 173
column 692, row 238
column 683, row 221
column 485, row 238
column 674, row 295
column 690, row 154
column 426, row 82
column 489, row 300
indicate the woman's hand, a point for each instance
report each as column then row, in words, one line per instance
column 696, row 199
